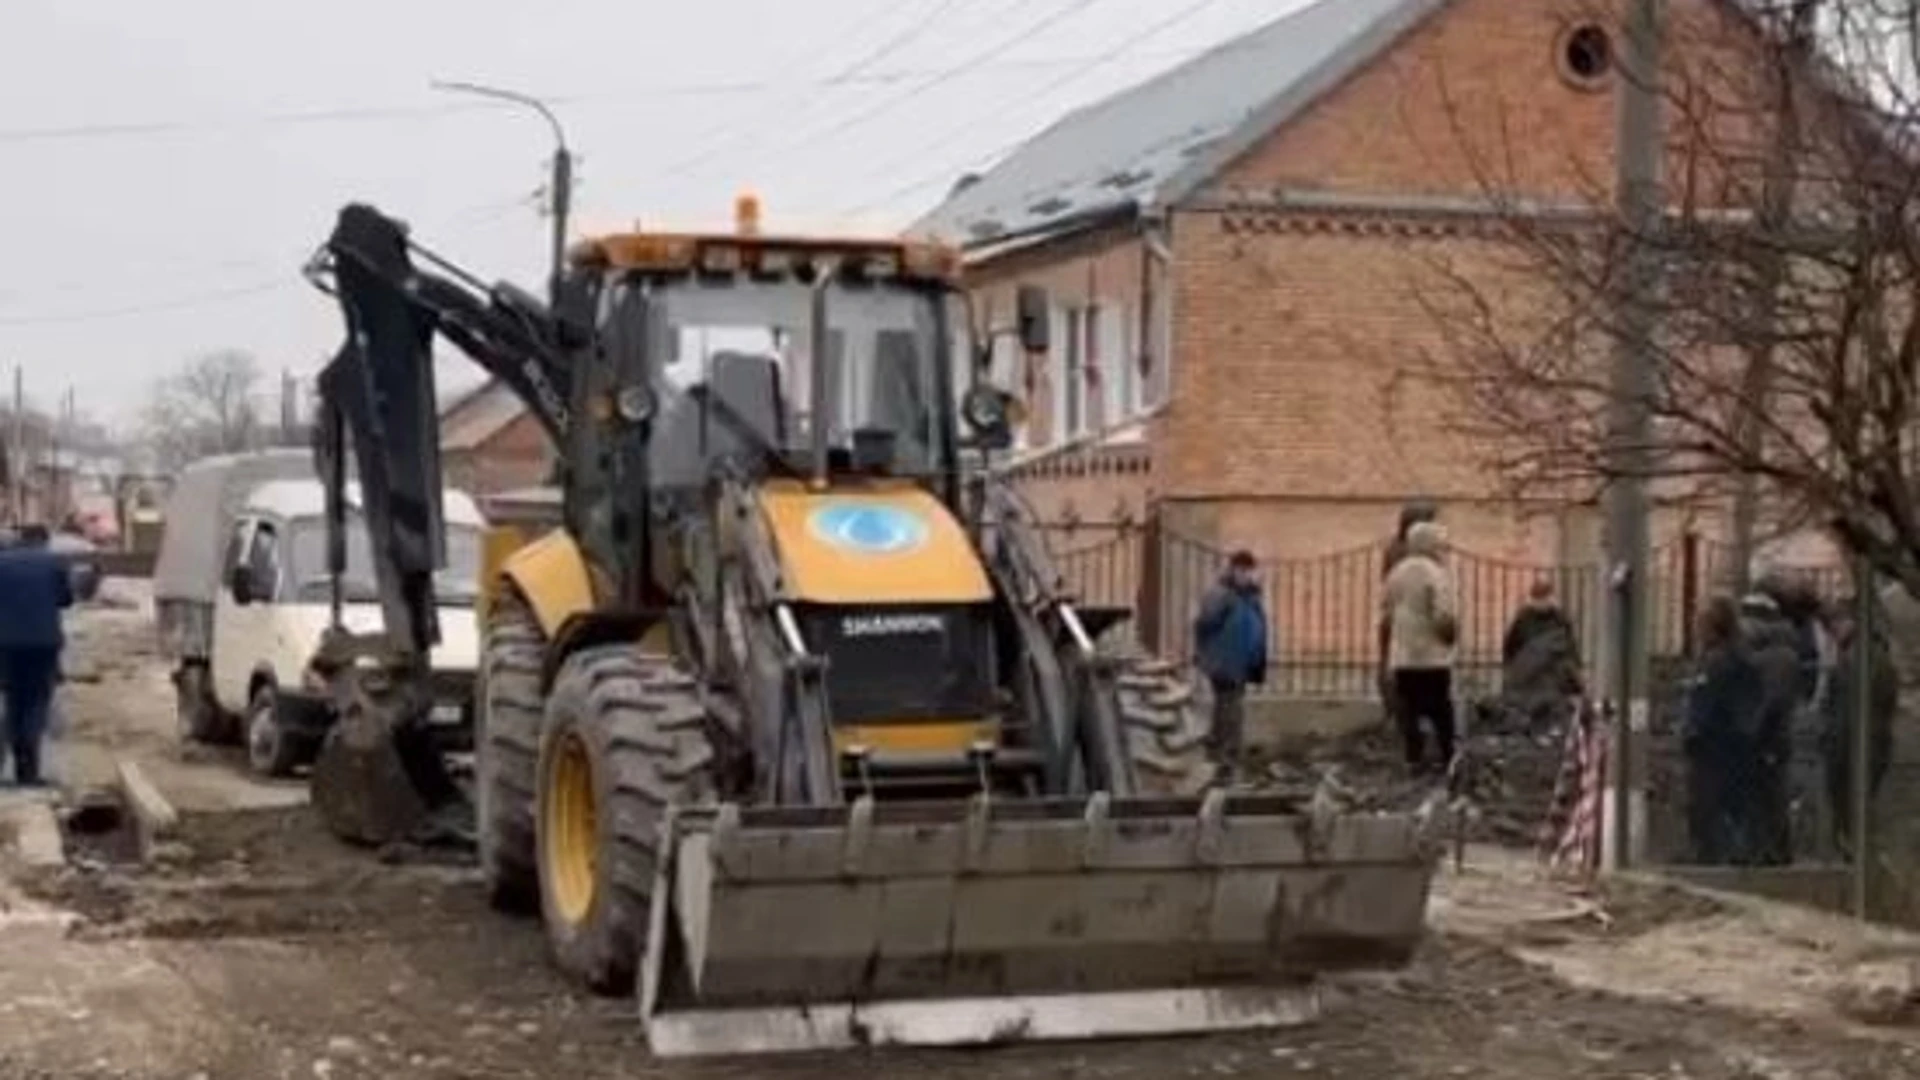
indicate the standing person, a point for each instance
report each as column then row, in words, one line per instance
column 1230, row 647
column 34, row 589
column 1723, row 702
column 1781, row 660
column 1420, row 607
column 1411, row 514
column 1839, row 722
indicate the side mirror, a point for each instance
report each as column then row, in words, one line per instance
column 240, row 584
column 1035, row 314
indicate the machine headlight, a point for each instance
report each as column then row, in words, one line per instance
column 984, row 408
column 635, row 404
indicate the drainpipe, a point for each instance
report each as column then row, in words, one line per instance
column 1156, row 312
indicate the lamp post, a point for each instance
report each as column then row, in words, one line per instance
column 561, row 185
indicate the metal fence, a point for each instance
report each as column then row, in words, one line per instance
column 1325, row 610
column 1325, row 619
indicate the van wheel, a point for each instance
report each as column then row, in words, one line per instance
column 200, row 720
column 271, row 751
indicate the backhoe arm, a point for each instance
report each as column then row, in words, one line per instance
column 377, row 395
column 378, row 776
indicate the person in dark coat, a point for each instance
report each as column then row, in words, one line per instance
column 1838, row 719
column 1724, row 698
column 34, row 590
column 1539, row 658
column 1799, row 604
column 1780, row 655
column 1230, row 648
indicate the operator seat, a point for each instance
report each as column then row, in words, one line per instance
column 691, row 434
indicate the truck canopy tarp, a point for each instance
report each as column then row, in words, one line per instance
column 200, row 512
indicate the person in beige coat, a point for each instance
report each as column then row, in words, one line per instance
column 1420, row 607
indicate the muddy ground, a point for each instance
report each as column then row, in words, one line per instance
column 261, row 949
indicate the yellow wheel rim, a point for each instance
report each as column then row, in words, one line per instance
column 570, row 820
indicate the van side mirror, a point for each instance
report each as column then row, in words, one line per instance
column 1035, row 313
column 240, row 584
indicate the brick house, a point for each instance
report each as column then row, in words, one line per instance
column 490, row 443
column 1239, row 251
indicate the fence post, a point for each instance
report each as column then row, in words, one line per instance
column 1689, row 589
column 1148, row 602
column 1861, row 789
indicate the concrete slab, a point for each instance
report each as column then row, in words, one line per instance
column 27, row 818
column 154, row 817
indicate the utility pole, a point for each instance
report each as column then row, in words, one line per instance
column 19, row 460
column 560, row 186
column 1640, row 204
column 289, row 418
column 59, row 475
column 1778, row 185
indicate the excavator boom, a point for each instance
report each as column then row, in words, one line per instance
column 378, row 777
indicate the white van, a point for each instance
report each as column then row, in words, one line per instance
column 243, row 619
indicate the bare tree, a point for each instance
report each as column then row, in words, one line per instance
column 1788, row 310
column 210, row 406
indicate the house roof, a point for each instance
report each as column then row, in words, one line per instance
column 1151, row 144
column 478, row 415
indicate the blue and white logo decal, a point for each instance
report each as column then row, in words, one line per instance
column 868, row 528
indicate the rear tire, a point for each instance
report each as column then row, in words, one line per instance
column 1165, row 729
column 625, row 739
column 272, row 751
column 506, row 741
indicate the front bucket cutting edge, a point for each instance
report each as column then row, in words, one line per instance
column 787, row 929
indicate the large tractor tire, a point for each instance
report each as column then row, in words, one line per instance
column 1165, row 728
column 625, row 739
column 507, row 753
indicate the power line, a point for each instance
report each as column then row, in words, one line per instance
column 840, row 77
column 491, row 210
column 1100, row 60
column 388, row 113
column 182, row 303
column 888, row 104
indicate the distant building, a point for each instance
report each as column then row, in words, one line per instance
column 490, row 443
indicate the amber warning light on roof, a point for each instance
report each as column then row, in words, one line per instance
column 747, row 250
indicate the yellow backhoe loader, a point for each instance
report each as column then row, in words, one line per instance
column 790, row 726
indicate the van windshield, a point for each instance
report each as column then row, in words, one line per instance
column 458, row 583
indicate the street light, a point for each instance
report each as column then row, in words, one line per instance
column 562, row 182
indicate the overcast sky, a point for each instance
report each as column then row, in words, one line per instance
column 168, row 165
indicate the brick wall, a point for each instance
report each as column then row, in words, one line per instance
column 1480, row 97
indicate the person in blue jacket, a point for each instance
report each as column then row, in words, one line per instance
column 1230, row 648
column 34, row 590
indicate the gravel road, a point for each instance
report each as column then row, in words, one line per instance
column 261, row 949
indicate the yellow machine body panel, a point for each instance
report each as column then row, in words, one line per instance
column 917, row 736
column 878, row 543
column 497, row 545
column 552, row 574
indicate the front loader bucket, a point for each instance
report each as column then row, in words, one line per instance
column 790, row 929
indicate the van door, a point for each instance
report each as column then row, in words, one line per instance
column 243, row 632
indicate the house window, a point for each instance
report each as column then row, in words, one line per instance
column 1110, row 372
column 1070, row 372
